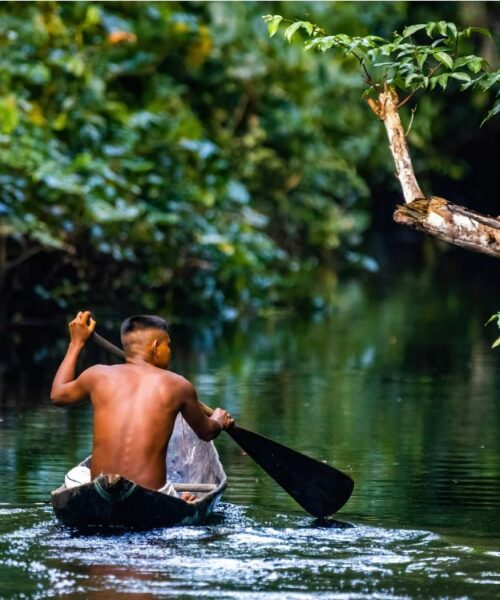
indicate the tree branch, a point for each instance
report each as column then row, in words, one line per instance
column 435, row 216
column 452, row 223
column 386, row 109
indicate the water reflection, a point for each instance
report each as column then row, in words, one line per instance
column 398, row 387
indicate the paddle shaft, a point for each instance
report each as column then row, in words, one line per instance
column 319, row 488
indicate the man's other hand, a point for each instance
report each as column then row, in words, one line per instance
column 81, row 327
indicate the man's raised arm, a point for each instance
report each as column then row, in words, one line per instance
column 65, row 388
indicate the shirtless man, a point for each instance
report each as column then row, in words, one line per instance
column 134, row 404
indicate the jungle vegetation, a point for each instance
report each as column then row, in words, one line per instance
column 420, row 57
column 168, row 157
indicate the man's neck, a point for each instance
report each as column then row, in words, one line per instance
column 139, row 359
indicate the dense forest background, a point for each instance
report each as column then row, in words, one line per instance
column 169, row 157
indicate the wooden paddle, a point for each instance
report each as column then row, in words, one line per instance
column 320, row 489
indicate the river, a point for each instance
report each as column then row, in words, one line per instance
column 397, row 385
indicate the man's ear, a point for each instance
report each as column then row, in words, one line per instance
column 156, row 343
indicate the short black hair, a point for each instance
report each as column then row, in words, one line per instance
column 142, row 322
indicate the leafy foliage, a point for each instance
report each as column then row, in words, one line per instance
column 166, row 157
column 402, row 62
column 147, row 157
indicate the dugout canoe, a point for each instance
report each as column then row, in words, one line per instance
column 114, row 501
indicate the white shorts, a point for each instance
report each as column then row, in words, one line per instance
column 80, row 475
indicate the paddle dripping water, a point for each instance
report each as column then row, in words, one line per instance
column 405, row 402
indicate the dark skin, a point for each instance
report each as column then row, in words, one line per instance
column 135, row 404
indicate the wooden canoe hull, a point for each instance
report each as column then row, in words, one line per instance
column 115, row 501
column 111, row 501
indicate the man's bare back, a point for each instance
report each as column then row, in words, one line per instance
column 135, row 405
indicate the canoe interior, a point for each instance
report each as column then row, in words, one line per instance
column 114, row 501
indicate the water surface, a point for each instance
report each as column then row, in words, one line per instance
column 397, row 386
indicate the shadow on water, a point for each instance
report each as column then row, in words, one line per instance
column 397, row 387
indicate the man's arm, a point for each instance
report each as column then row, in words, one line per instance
column 65, row 388
column 206, row 428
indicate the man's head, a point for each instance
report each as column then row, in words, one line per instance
column 146, row 336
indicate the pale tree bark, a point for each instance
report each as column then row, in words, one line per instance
column 452, row 223
column 432, row 215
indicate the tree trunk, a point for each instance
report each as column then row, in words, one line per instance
column 386, row 108
column 432, row 215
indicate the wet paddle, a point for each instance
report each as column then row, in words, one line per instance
column 319, row 488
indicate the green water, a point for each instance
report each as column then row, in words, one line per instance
column 397, row 386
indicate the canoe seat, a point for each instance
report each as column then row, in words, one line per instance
column 194, row 487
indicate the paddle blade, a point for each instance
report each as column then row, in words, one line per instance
column 320, row 489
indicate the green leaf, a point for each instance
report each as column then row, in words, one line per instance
column 9, row 114
column 492, row 113
column 453, row 29
column 76, row 65
column 429, row 28
column 384, row 50
column 444, row 58
column 494, row 317
column 322, row 43
column 344, row 38
column 353, row 45
column 421, row 58
column 461, row 76
column 407, row 31
column 443, row 80
column 375, row 38
column 480, row 30
column 466, row 86
column 463, row 60
column 309, row 27
column 437, row 43
column 291, row 29
column 411, row 77
column 475, row 64
column 442, row 28
column 486, row 81
column 92, row 16
column 46, row 238
column 273, row 24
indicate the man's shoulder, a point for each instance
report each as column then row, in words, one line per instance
column 96, row 372
column 177, row 380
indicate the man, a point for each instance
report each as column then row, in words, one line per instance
column 135, row 404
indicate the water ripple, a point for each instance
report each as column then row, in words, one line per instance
column 238, row 556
